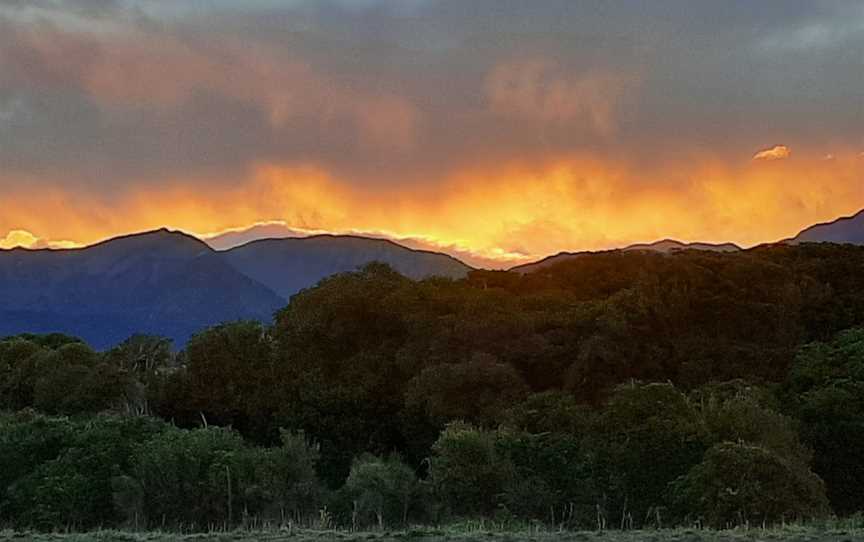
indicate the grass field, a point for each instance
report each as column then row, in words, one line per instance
column 442, row 535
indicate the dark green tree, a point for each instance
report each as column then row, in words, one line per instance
column 741, row 484
column 825, row 391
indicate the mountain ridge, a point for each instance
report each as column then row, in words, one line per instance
column 170, row 283
column 844, row 229
column 266, row 260
column 664, row 246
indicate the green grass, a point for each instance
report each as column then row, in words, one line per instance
column 456, row 534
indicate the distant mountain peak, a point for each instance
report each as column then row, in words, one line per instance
column 663, row 246
column 290, row 264
column 160, row 233
column 160, row 239
column 356, row 240
column 846, row 229
column 672, row 245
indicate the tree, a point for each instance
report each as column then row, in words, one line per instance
column 146, row 361
column 142, row 354
column 230, row 377
column 27, row 440
column 553, row 479
column 551, row 412
column 76, row 487
column 743, row 484
column 468, row 472
column 740, row 412
column 477, row 391
column 825, row 391
column 651, row 435
column 280, row 483
column 19, row 372
column 75, row 380
column 382, row 489
column 186, row 477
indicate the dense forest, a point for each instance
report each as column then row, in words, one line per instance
column 613, row 390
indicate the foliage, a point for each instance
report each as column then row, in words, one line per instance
column 468, row 471
column 651, row 434
column 75, row 487
column 381, row 491
column 578, row 394
column 742, row 484
column 825, row 391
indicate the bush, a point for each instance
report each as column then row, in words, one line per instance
column 280, row 483
column 72, row 485
column 742, row 484
column 206, row 477
column 468, row 471
column 381, row 491
column 26, row 441
column 186, row 477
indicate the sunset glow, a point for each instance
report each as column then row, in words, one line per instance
column 401, row 122
column 507, row 214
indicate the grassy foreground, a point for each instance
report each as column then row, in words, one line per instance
column 792, row 534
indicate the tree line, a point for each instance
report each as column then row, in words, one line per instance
column 613, row 390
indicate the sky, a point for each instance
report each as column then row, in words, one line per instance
column 497, row 130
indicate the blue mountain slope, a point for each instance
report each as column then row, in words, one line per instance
column 162, row 282
column 171, row 284
column 848, row 229
column 288, row 265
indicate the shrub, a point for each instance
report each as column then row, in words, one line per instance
column 381, row 491
column 467, row 470
column 738, row 484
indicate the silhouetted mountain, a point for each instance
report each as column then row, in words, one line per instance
column 171, row 284
column 847, row 229
column 288, row 265
column 278, row 230
column 665, row 246
column 160, row 282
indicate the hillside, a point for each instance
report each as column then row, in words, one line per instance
column 848, row 229
column 666, row 246
column 288, row 265
column 171, row 284
column 158, row 282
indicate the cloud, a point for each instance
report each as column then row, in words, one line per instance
column 777, row 152
column 497, row 213
column 505, row 129
column 823, row 31
column 141, row 70
column 541, row 91
column 25, row 239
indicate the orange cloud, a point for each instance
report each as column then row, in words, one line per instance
column 504, row 213
column 778, row 152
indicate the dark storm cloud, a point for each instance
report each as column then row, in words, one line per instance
column 110, row 92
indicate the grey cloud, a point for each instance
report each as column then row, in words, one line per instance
column 383, row 91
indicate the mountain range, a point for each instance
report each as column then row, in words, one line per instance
column 172, row 284
column 279, row 230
